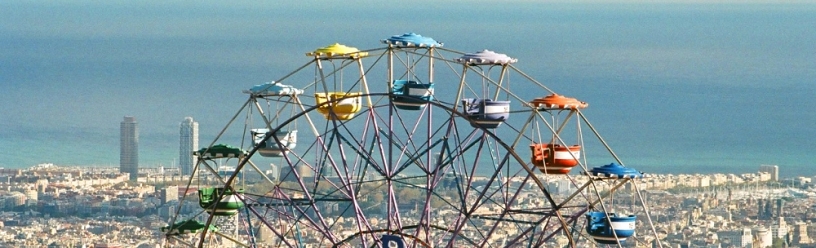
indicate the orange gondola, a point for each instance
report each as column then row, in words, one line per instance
column 555, row 158
column 556, row 102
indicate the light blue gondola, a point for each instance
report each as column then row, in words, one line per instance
column 411, row 40
column 271, row 148
column 410, row 95
column 486, row 113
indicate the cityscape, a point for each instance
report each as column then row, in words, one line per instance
column 49, row 205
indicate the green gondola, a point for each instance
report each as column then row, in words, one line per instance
column 187, row 226
column 228, row 205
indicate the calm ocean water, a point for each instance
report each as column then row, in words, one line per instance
column 674, row 88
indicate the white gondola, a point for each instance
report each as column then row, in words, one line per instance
column 271, row 148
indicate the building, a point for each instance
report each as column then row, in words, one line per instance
column 287, row 173
column 14, row 199
column 188, row 142
column 780, row 229
column 780, row 206
column 129, row 147
column 737, row 238
column 168, row 194
column 763, row 236
column 770, row 169
column 274, row 172
column 800, row 234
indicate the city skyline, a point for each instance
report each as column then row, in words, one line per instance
column 755, row 207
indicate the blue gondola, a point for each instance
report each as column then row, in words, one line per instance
column 392, row 241
column 271, row 148
column 602, row 231
column 486, row 113
column 410, row 95
column 597, row 224
column 614, row 170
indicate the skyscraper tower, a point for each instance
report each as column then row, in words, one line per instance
column 800, row 235
column 780, row 205
column 188, row 142
column 129, row 147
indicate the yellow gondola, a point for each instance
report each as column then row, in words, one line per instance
column 341, row 106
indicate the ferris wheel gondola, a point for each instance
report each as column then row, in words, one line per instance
column 554, row 157
column 220, row 200
column 283, row 140
column 411, row 95
column 607, row 227
column 334, row 104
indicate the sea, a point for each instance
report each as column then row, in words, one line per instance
column 673, row 86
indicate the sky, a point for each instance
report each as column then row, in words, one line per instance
column 662, row 78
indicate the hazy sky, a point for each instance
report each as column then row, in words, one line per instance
column 78, row 67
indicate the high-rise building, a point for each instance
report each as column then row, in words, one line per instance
column 286, row 174
column 800, row 234
column 188, row 142
column 780, row 206
column 129, row 147
column 274, row 172
column 769, row 207
column 770, row 169
column 780, row 230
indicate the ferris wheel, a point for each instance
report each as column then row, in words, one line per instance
column 409, row 145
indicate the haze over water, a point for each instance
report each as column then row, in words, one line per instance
column 673, row 87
